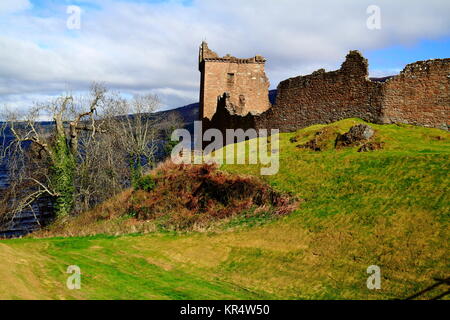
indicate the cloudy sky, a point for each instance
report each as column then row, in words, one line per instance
column 138, row 46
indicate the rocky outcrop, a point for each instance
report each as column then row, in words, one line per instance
column 356, row 135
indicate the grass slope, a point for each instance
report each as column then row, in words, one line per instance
column 388, row 208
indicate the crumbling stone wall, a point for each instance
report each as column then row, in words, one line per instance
column 324, row 97
column 419, row 95
column 244, row 79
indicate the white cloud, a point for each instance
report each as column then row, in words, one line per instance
column 137, row 47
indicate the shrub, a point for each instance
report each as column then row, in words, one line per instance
column 145, row 183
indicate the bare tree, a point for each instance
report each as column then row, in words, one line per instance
column 136, row 130
column 118, row 156
column 51, row 154
column 94, row 148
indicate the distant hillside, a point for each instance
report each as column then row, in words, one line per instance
column 189, row 112
column 272, row 96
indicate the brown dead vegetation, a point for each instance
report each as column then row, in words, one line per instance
column 197, row 195
column 185, row 197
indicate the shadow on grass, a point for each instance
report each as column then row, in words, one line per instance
column 437, row 283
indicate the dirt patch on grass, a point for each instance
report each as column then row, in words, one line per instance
column 371, row 146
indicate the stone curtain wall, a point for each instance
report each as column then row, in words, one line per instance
column 244, row 79
column 324, row 97
column 420, row 95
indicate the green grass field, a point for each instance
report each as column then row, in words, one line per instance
column 387, row 207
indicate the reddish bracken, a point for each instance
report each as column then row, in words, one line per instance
column 188, row 195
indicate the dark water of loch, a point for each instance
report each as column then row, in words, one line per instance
column 27, row 220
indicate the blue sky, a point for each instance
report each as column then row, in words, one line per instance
column 151, row 46
column 395, row 57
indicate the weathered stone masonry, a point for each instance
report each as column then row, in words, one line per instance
column 419, row 95
column 324, row 97
column 244, row 79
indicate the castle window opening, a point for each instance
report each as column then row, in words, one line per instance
column 230, row 78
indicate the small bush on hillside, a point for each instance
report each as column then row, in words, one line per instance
column 145, row 183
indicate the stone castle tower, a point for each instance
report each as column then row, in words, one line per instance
column 244, row 81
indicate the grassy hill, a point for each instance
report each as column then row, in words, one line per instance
column 388, row 207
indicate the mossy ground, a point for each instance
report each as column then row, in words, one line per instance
column 387, row 207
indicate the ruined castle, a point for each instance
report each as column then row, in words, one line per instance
column 234, row 94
